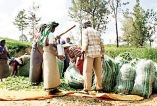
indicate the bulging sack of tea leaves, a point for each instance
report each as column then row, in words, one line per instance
column 125, row 79
column 109, row 73
column 155, row 82
column 145, row 76
column 123, row 58
column 73, row 77
column 60, row 66
column 24, row 69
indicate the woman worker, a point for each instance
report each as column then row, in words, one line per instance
column 50, row 71
column 20, row 65
column 36, row 60
column 4, row 55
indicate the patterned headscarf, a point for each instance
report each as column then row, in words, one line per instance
column 46, row 32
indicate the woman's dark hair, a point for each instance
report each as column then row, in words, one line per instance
column 3, row 40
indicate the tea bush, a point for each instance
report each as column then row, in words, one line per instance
column 146, row 53
column 17, row 48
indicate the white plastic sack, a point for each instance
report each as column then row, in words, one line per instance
column 125, row 79
column 145, row 76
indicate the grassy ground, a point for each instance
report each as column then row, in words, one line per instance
column 69, row 100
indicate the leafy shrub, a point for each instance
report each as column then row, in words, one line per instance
column 145, row 53
column 17, row 48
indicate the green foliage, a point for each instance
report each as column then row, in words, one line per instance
column 115, row 6
column 21, row 21
column 33, row 19
column 145, row 53
column 127, row 28
column 17, row 48
column 18, row 83
column 65, row 86
column 140, row 26
column 23, row 83
column 23, row 38
column 74, row 39
column 94, row 10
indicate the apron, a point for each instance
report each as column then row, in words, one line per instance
column 51, row 71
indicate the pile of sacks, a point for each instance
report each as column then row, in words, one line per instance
column 122, row 75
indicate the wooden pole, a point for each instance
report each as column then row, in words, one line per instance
column 67, row 31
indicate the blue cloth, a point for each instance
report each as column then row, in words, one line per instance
column 63, row 42
column 66, row 63
column 1, row 48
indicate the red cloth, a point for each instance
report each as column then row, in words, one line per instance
column 79, row 66
column 36, row 37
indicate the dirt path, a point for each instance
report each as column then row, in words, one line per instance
column 81, row 101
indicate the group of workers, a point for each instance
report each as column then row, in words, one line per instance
column 44, row 54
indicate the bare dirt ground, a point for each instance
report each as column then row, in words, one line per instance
column 81, row 101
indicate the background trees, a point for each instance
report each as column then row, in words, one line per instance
column 139, row 26
column 21, row 23
column 94, row 10
column 24, row 21
column 127, row 29
column 77, row 15
column 115, row 8
column 33, row 19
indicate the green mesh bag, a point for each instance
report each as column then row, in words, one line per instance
column 123, row 58
column 73, row 77
column 145, row 76
column 125, row 79
column 60, row 66
column 109, row 73
column 155, row 81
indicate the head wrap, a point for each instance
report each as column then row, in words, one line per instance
column 51, row 25
column 44, row 34
column 2, row 40
column 88, row 23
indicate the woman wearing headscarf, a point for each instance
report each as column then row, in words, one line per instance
column 36, row 60
column 4, row 55
column 51, row 71
column 20, row 65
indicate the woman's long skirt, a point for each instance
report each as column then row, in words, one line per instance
column 4, row 69
column 51, row 71
column 36, row 60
